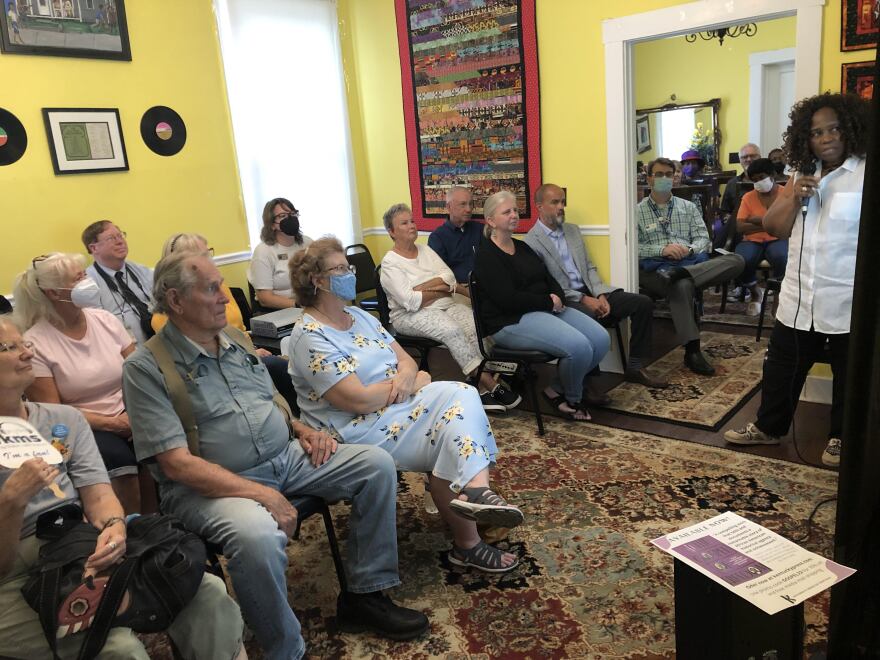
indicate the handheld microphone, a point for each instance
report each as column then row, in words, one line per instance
column 809, row 170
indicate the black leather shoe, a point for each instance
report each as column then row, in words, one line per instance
column 698, row 363
column 641, row 377
column 671, row 274
column 375, row 612
column 594, row 397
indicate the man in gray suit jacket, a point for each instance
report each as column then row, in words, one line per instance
column 565, row 256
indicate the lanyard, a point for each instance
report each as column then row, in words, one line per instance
column 656, row 210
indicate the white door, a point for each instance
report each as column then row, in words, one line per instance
column 777, row 99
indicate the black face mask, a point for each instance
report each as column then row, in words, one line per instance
column 779, row 167
column 290, row 225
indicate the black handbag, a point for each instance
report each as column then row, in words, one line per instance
column 161, row 573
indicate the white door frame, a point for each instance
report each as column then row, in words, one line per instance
column 620, row 34
column 758, row 62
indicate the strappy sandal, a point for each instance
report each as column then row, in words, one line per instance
column 486, row 507
column 482, row 556
column 558, row 400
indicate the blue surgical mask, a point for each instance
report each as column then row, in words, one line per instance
column 662, row 184
column 344, row 286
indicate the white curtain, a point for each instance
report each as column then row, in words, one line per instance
column 286, row 89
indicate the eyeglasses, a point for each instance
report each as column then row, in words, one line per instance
column 817, row 133
column 662, row 175
column 114, row 238
column 341, row 269
column 19, row 347
column 286, row 214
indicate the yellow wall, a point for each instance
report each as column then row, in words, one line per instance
column 704, row 70
column 572, row 75
column 174, row 63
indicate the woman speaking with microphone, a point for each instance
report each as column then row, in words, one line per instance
column 818, row 210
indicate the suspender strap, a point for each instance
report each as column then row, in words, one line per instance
column 244, row 340
column 180, row 398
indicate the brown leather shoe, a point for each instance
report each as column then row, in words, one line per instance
column 641, row 377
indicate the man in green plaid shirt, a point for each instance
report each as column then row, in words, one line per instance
column 674, row 250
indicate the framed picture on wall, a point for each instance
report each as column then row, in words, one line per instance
column 66, row 28
column 643, row 134
column 83, row 140
column 858, row 78
column 860, row 24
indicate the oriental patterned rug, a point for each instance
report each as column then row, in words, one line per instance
column 589, row 584
column 735, row 313
column 694, row 400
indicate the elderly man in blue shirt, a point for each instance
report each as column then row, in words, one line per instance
column 250, row 461
column 457, row 239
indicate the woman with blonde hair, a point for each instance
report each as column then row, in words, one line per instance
column 354, row 381
column 197, row 243
column 79, row 353
column 523, row 307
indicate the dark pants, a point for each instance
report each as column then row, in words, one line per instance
column 790, row 356
column 634, row 306
column 117, row 453
column 775, row 252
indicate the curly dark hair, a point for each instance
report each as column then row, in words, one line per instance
column 853, row 113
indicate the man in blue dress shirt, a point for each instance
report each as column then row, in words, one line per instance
column 456, row 240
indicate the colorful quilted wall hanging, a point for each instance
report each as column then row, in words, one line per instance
column 470, row 92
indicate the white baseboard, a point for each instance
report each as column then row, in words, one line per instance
column 817, row 389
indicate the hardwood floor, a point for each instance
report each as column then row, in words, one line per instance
column 811, row 419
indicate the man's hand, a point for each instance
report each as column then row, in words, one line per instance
column 27, row 480
column 594, row 305
column 558, row 305
column 109, row 550
column 282, row 511
column 605, row 309
column 675, row 251
column 319, row 445
column 262, row 352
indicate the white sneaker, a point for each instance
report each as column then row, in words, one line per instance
column 831, row 455
column 753, row 308
column 750, row 435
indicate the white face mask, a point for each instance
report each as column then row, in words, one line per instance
column 765, row 185
column 86, row 294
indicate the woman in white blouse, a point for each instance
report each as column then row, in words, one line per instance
column 281, row 239
column 420, row 289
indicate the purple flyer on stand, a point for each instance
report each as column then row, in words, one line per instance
column 721, row 560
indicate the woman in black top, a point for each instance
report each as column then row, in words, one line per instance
column 523, row 307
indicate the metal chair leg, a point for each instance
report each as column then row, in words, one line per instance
column 334, row 547
column 531, row 380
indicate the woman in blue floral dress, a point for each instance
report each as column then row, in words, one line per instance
column 356, row 382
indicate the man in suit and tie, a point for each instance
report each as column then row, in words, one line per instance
column 563, row 251
column 125, row 286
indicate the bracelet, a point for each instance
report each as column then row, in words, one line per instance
column 112, row 521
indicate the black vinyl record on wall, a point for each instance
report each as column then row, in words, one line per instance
column 163, row 130
column 13, row 138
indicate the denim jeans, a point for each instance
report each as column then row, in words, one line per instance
column 577, row 340
column 255, row 547
column 776, row 252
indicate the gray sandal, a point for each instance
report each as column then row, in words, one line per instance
column 482, row 556
column 486, row 507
